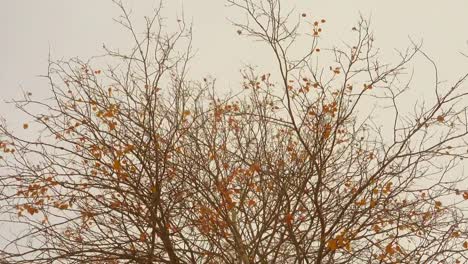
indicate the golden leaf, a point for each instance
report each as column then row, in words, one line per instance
column 116, row 165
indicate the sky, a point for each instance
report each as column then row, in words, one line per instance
column 31, row 30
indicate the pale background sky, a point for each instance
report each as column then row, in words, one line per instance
column 29, row 28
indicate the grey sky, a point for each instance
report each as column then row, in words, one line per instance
column 79, row 28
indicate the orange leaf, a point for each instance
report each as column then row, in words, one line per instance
column 440, row 118
column 289, row 218
column 362, row 202
column 389, row 249
column 111, row 125
column 115, row 205
column 116, row 165
column 25, row 126
column 142, row 237
column 255, row 167
column 332, row 244
column 376, row 228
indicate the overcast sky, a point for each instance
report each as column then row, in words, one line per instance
column 29, row 29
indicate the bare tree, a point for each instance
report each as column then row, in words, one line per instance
column 136, row 163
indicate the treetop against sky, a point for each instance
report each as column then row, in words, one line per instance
column 328, row 142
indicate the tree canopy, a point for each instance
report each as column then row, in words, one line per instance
column 135, row 161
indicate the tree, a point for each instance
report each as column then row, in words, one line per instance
column 136, row 163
